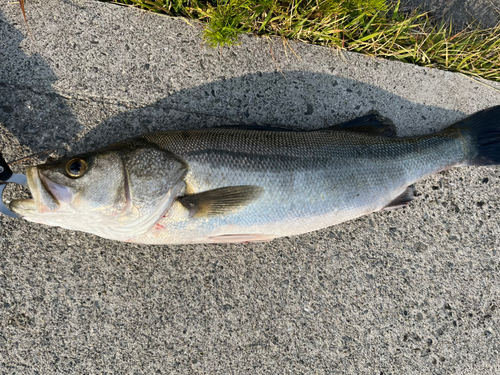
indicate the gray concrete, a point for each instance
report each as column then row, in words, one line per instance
column 484, row 13
column 409, row 291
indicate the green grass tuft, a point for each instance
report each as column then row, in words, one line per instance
column 367, row 26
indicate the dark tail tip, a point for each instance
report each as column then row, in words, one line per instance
column 483, row 132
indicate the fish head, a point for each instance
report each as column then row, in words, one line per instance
column 117, row 192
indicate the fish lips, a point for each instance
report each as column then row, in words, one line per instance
column 47, row 195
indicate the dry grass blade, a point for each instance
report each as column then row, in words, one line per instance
column 21, row 4
column 31, row 157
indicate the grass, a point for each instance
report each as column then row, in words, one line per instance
column 367, row 26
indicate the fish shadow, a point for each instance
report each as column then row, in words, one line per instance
column 295, row 100
column 40, row 118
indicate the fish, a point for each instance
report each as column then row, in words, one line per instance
column 247, row 184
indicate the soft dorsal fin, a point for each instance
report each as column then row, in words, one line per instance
column 220, row 201
column 372, row 123
column 402, row 199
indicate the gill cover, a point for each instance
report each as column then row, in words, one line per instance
column 117, row 192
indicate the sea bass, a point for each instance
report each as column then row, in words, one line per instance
column 238, row 185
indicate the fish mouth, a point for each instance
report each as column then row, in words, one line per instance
column 41, row 189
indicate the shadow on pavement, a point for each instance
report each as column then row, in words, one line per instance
column 41, row 119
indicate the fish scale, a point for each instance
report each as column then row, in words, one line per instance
column 311, row 180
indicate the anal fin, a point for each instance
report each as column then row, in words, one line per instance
column 403, row 199
column 241, row 238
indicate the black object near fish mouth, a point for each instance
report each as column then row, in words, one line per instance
column 7, row 176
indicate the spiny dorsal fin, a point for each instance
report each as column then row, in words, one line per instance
column 258, row 127
column 372, row 123
column 220, row 201
column 403, row 199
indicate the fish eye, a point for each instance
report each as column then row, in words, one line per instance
column 76, row 167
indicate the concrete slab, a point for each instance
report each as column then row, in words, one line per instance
column 486, row 13
column 409, row 291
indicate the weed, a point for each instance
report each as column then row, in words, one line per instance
column 367, row 26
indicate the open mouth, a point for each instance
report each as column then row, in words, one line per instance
column 42, row 192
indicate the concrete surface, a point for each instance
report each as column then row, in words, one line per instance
column 486, row 13
column 408, row 291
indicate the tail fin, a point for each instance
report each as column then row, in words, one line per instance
column 482, row 130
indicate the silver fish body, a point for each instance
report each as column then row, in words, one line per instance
column 310, row 180
column 234, row 185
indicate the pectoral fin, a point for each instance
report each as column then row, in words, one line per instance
column 220, row 201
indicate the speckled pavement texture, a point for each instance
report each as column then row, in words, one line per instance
column 407, row 291
column 483, row 13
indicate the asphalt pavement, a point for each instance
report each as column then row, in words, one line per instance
column 408, row 291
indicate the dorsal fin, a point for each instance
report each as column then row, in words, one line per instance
column 258, row 127
column 372, row 123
